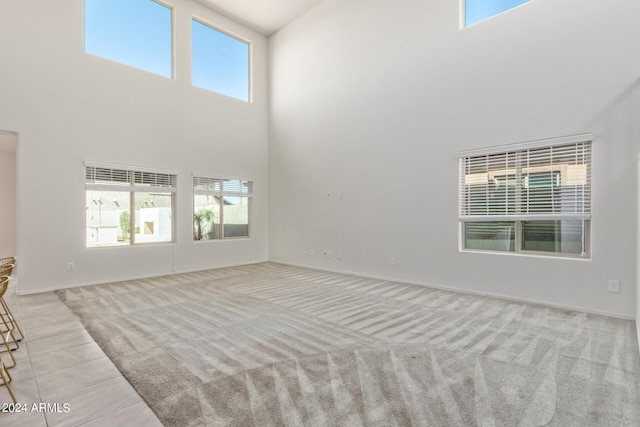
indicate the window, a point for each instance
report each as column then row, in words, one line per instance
column 221, row 208
column 220, row 62
column 126, row 206
column 475, row 11
column 133, row 32
column 527, row 198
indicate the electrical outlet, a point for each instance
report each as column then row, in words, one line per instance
column 311, row 252
column 392, row 260
column 71, row 266
column 614, row 286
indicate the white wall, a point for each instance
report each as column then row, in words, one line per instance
column 374, row 98
column 7, row 203
column 68, row 106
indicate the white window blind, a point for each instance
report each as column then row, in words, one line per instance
column 527, row 182
column 110, row 176
column 236, row 187
column 223, row 187
column 206, row 185
column 102, row 177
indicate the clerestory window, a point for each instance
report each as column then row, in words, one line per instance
column 137, row 33
column 220, row 62
column 474, row 11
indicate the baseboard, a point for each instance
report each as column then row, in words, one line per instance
column 461, row 290
column 124, row 279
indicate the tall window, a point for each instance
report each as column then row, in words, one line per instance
column 221, row 208
column 133, row 32
column 528, row 198
column 475, row 11
column 220, row 62
column 126, row 206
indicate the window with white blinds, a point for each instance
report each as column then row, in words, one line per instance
column 531, row 197
column 221, row 208
column 128, row 205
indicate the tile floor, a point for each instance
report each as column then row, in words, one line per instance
column 59, row 363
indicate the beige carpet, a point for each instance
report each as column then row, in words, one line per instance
column 271, row 345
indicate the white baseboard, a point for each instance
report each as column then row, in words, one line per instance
column 464, row 291
column 126, row 278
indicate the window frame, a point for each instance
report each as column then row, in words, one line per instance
column 221, row 193
column 139, row 180
column 524, row 209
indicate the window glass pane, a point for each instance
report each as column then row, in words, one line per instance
column 479, row 10
column 556, row 179
column 132, row 32
column 107, row 218
column 235, row 186
column 497, row 197
column 490, row 236
column 206, row 217
column 220, row 63
column 489, row 184
column 153, row 221
column 542, row 193
column 236, row 217
column 553, row 236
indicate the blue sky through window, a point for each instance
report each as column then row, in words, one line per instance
column 133, row 32
column 220, row 63
column 479, row 10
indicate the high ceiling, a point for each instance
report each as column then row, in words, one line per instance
column 265, row 16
